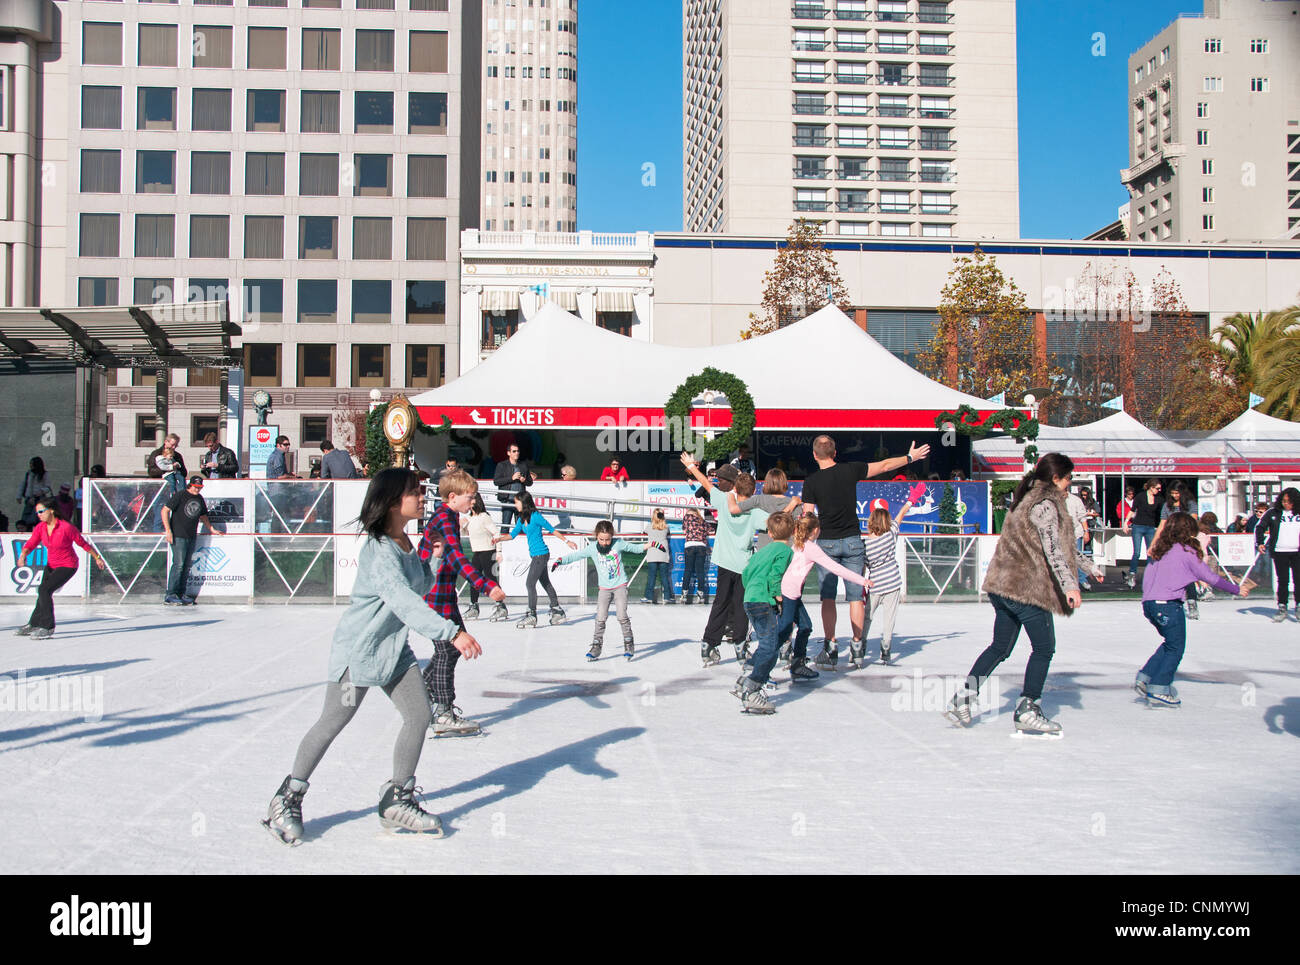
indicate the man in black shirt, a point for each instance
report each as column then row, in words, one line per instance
column 180, row 518
column 833, row 490
column 511, row 478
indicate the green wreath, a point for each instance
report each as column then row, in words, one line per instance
column 378, row 452
column 1015, row 423
column 678, row 409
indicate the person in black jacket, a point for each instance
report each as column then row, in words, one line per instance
column 511, row 478
column 219, row 462
column 1278, row 531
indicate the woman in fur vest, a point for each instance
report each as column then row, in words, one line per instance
column 1030, row 578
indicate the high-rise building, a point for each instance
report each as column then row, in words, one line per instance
column 530, row 115
column 1214, row 129
column 313, row 164
column 888, row 117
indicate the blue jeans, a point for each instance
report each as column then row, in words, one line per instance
column 1009, row 617
column 793, row 613
column 182, row 554
column 1082, row 574
column 763, row 617
column 850, row 554
column 662, row 572
column 1140, row 533
column 697, row 568
column 1170, row 619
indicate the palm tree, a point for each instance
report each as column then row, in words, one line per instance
column 1278, row 373
column 1263, row 353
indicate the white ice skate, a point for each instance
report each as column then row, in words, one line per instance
column 1032, row 724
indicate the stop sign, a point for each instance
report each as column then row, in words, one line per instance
column 263, row 435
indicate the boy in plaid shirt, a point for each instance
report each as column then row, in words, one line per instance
column 457, row 489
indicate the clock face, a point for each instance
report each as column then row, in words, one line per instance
column 396, row 423
column 261, row 397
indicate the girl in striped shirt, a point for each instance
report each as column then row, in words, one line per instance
column 882, row 563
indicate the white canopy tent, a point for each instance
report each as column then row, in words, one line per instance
column 820, row 373
column 1254, row 443
column 1116, row 444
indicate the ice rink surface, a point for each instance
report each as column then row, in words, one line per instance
column 650, row 766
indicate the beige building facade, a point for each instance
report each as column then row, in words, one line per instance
column 892, row 118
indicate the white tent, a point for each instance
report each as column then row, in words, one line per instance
column 820, row 373
column 1254, row 442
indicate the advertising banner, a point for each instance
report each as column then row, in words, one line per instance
column 349, row 494
column 220, row 567
column 25, row 580
column 1237, row 549
column 674, row 497
column 971, row 504
column 230, row 504
column 569, row 581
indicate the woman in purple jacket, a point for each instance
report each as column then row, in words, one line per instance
column 1175, row 561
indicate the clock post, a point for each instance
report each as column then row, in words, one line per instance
column 399, row 426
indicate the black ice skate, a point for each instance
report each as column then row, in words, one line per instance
column 399, row 810
column 1031, row 722
column 828, row 655
column 710, row 655
column 284, row 815
column 857, row 653
column 557, row 616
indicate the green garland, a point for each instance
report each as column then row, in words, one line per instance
column 378, row 452
column 1015, row 423
column 678, row 409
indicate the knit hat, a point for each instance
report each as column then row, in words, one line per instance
column 880, row 504
column 727, row 473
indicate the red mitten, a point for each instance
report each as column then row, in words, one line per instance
column 555, row 566
column 916, row 492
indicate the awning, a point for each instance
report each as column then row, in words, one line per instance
column 566, row 298
column 614, row 301
column 499, row 299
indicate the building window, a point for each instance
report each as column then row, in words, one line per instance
column 212, row 46
column 428, row 52
column 1207, row 222
column 372, row 239
column 318, row 175
column 201, row 425
column 1259, row 85
column 320, row 112
column 372, row 302
column 894, row 137
column 101, row 172
column 263, row 173
column 936, row 203
column 1207, row 195
column 426, row 302
column 428, row 113
column 322, row 4
column 318, row 301
column 895, row 202
column 851, row 104
column 101, row 43
column 498, row 326
column 212, row 110
column 1207, row 165
column 264, row 300
column 96, row 291
column 369, row 366
column 320, row 49
column 374, row 50
column 426, row 239
column 145, row 430
column 157, row 45
column 374, row 175
column 936, row 231
column 893, row 105
column 156, row 109
column 267, row 48
column 207, row 290
column 316, row 365
column 426, row 176
column 262, row 364
column 1202, row 138
column 1259, row 46
column 263, row 236
column 1164, row 55
column 155, row 172
column 318, row 237
column 155, row 236
column 424, row 366
column 209, row 236
column 209, row 172
column 1213, row 45
column 374, row 112
column 152, row 291
column 854, row 228
column 891, row 229
column 101, row 108
column 1212, row 85
column 265, row 110
column 620, row 323
column 1202, row 109
column 314, row 429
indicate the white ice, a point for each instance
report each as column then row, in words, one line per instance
column 650, row 766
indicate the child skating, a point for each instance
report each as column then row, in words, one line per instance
column 606, row 554
column 534, row 525
column 763, row 596
column 658, row 559
column 370, row 650
column 881, row 547
column 458, row 490
column 1174, row 562
column 695, row 536
column 794, row 616
column 482, row 531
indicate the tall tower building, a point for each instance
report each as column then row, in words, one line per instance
column 530, row 115
column 877, row 117
column 1214, row 129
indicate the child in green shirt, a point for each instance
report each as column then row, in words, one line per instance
column 762, row 581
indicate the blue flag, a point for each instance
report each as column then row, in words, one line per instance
column 1115, row 403
column 999, row 399
column 1255, row 400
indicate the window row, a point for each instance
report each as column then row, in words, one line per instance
column 893, row 229
column 885, row 105
column 319, row 175
column 267, row 48
column 856, row 169
column 886, row 202
column 209, row 237
column 211, row 110
column 263, row 299
column 887, row 11
column 886, row 75
column 860, row 41
column 925, row 139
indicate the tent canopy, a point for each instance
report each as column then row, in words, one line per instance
column 820, row 373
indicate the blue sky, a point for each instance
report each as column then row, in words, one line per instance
column 1073, row 116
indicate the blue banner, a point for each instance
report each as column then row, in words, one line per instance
column 972, row 504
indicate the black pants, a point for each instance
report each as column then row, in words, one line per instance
column 483, row 562
column 539, row 572
column 728, row 609
column 52, row 578
column 1009, row 617
column 697, row 570
column 507, row 515
column 1286, row 568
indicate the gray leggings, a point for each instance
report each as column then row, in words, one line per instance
column 341, row 702
column 539, row 572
